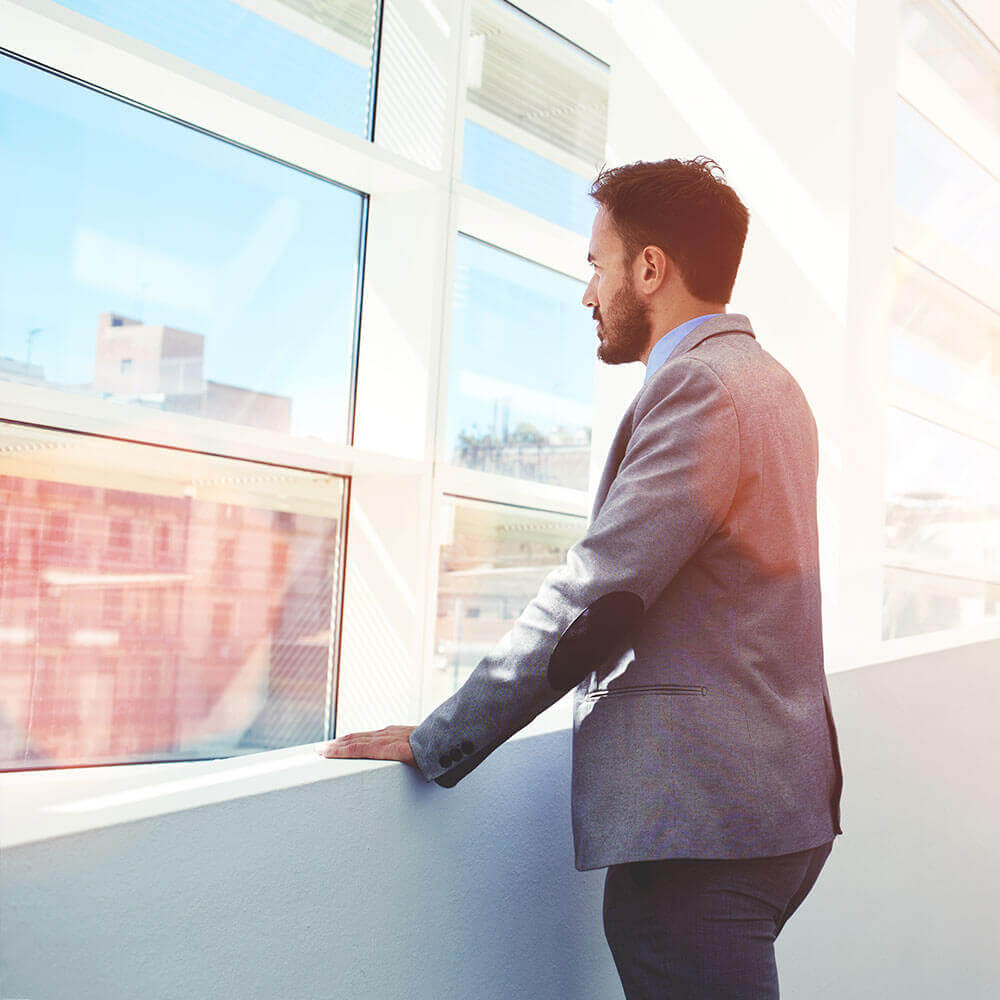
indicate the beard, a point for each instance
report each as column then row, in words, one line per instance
column 626, row 328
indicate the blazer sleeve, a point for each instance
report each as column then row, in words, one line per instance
column 674, row 487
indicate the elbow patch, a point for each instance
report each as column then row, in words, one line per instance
column 591, row 637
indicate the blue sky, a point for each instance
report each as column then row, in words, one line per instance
column 242, row 46
column 121, row 211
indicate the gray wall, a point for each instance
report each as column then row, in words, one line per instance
column 379, row 885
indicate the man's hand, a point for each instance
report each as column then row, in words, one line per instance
column 391, row 743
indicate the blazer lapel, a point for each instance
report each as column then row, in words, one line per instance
column 727, row 323
column 615, row 455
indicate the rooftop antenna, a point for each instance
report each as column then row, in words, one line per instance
column 31, row 338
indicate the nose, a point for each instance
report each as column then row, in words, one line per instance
column 590, row 294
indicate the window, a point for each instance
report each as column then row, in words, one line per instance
column 222, row 621
column 226, row 680
column 493, row 559
column 119, row 537
column 942, row 473
column 940, row 36
column 279, row 562
column 943, row 341
column 57, row 528
column 942, row 499
column 505, row 415
column 169, row 269
column 950, row 195
column 162, row 547
column 536, row 110
column 114, row 604
column 185, row 349
column 225, row 572
column 316, row 57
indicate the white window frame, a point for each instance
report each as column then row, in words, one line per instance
column 414, row 198
column 932, row 97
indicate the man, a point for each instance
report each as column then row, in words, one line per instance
column 706, row 775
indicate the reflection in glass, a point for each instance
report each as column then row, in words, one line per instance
column 942, row 517
column 313, row 55
column 494, row 558
column 145, row 262
column 916, row 602
column 536, row 116
column 944, row 341
column 945, row 190
column 159, row 605
column 954, row 49
column 521, row 385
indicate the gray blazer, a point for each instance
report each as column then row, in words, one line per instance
column 687, row 621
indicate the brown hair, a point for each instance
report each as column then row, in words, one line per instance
column 680, row 206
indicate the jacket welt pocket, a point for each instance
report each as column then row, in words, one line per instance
column 675, row 689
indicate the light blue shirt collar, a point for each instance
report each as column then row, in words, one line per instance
column 664, row 347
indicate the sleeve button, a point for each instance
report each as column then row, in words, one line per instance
column 467, row 746
column 456, row 754
column 444, row 760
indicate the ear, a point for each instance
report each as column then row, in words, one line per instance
column 655, row 268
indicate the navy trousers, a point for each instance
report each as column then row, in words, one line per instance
column 683, row 929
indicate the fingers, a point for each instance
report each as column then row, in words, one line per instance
column 388, row 743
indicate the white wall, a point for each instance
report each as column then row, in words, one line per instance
column 372, row 883
column 906, row 906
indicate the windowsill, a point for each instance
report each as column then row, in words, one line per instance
column 42, row 804
column 889, row 650
column 39, row 805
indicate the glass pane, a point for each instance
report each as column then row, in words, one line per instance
column 536, row 116
column 521, row 385
column 494, row 558
column 942, row 498
column 954, row 48
column 943, row 341
column 916, row 603
column 158, row 604
column 313, row 55
column 144, row 262
column 945, row 190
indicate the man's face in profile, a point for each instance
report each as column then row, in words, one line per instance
column 624, row 325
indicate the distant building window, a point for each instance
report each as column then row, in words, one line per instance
column 119, row 536
column 222, row 621
column 284, row 520
column 114, row 606
column 229, row 512
column 279, row 562
column 162, row 539
column 225, row 562
column 57, row 528
column 226, row 553
column 125, row 365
